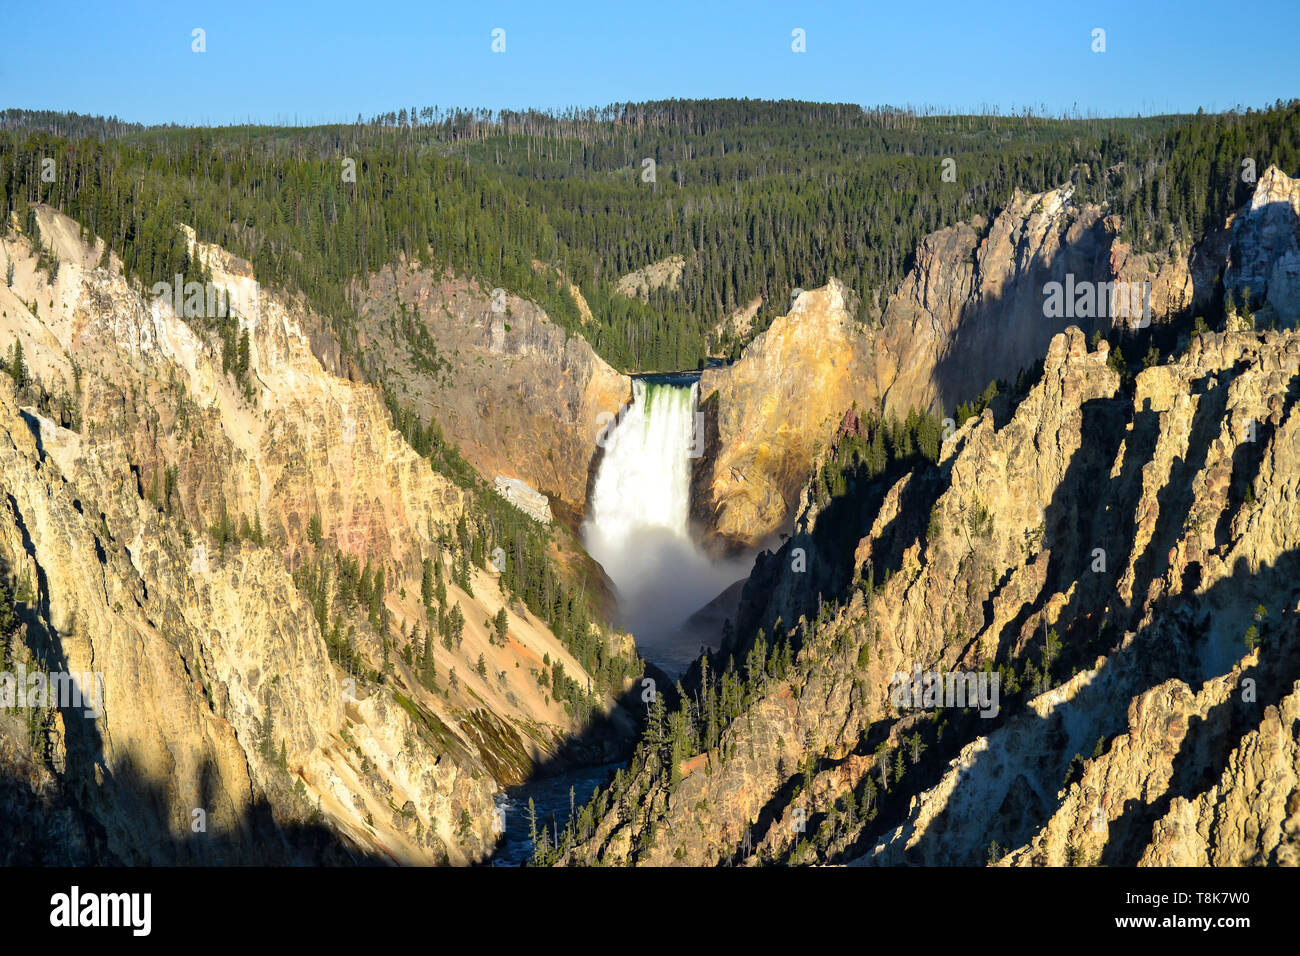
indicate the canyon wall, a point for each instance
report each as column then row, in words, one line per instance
column 127, row 466
column 517, row 394
column 769, row 414
column 1155, row 532
column 971, row 311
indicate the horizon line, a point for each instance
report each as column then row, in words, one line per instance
column 495, row 113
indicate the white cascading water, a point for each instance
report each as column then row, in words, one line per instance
column 638, row 517
column 645, row 477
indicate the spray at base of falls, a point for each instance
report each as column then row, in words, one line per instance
column 638, row 522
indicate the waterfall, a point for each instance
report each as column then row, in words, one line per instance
column 638, row 522
column 644, row 481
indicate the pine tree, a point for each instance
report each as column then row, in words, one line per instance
column 1051, row 651
column 456, row 624
column 867, row 808
column 428, row 666
column 266, row 743
column 440, row 585
column 18, row 366
column 654, row 735
column 426, row 584
column 245, row 358
column 8, row 617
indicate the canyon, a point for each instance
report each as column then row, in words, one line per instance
column 1187, row 568
column 181, row 522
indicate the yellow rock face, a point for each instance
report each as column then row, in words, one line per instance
column 769, row 414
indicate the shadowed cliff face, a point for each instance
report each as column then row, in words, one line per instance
column 970, row 312
column 1149, row 528
column 1264, row 257
column 972, row 309
column 222, row 691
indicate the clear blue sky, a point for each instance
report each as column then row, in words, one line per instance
column 276, row 61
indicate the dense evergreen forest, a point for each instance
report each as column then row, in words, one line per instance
column 760, row 198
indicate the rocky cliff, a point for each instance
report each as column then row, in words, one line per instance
column 666, row 273
column 1264, row 256
column 519, row 396
column 1120, row 555
column 973, row 309
column 185, row 535
column 771, row 412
